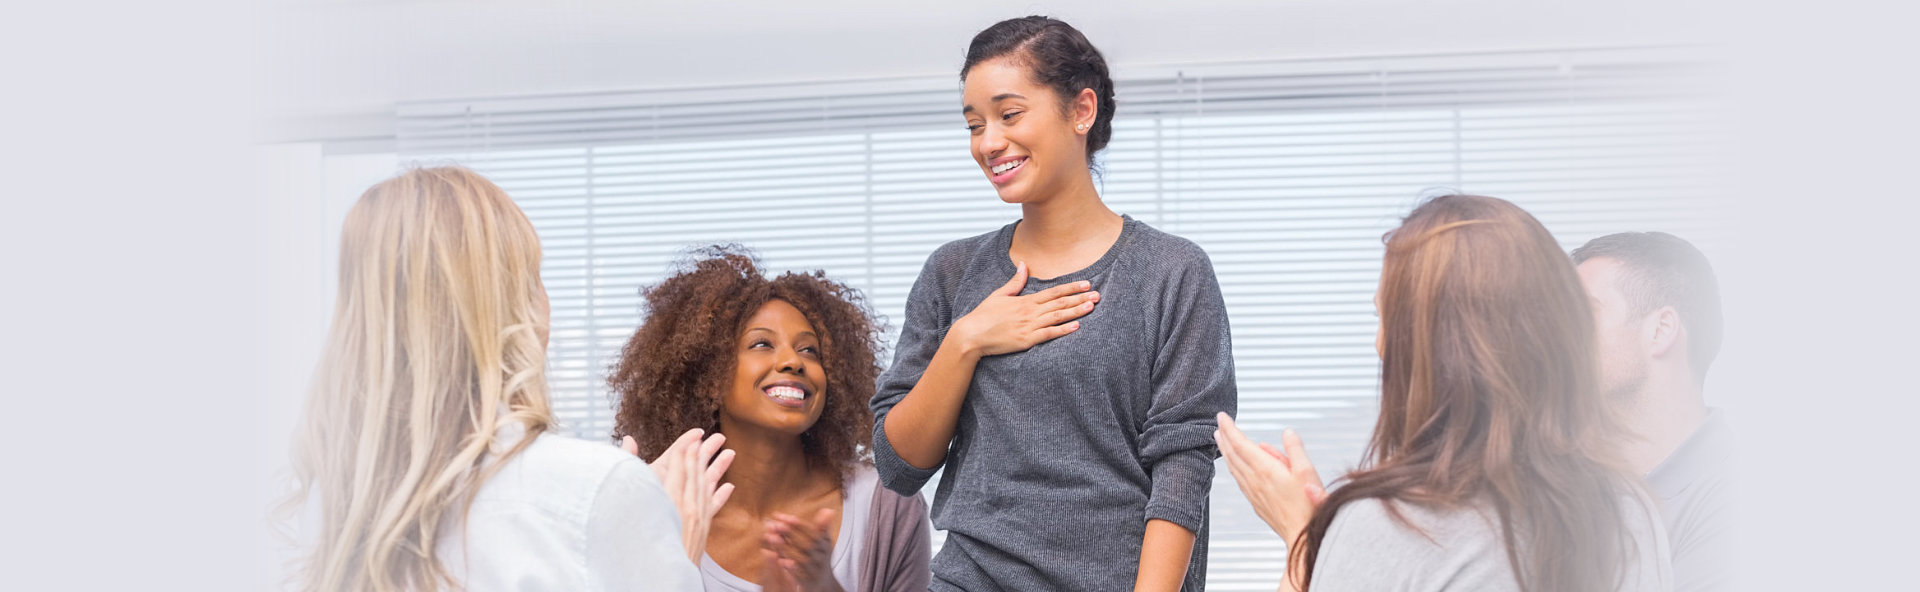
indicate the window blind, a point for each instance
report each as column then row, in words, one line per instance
column 1287, row 173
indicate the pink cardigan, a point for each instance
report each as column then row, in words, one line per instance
column 899, row 545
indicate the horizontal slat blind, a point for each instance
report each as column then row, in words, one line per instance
column 1287, row 173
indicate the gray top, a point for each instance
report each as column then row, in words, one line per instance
column 1367, row 550
column 1063, row 452
column 855, row 506
column 1693, row 486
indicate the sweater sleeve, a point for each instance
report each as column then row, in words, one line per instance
column 900, row 540
column 1192, row 380
column 926, row 325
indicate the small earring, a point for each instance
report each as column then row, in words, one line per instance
column 1083, row 127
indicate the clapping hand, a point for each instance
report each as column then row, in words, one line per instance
column 798, row 554
column 1283, row 487
column 690, row 471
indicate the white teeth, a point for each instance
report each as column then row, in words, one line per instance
column 1007, row 166
column 786, row 392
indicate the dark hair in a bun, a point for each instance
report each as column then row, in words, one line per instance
column 1058, row 56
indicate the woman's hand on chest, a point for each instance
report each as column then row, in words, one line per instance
column 1007, row 322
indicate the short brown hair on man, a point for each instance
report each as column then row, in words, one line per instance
column 1661, row 269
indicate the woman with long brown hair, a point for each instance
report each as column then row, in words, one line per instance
column 1490, row 466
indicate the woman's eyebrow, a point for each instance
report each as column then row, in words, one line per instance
column 964, row 109
column 767, row 330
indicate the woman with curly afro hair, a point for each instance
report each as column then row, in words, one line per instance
column 783, row 368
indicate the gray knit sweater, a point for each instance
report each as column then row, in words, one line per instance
column 1063, row 452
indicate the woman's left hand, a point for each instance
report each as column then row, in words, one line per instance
column 1283, row 487
column 797, row 553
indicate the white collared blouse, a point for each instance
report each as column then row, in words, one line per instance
column 566, row 514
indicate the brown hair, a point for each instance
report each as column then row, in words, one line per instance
column 1056, row 55
column 1665, row 270
column 1488, row 396
column 672, row 374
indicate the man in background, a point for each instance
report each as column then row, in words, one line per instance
column 1656, row 304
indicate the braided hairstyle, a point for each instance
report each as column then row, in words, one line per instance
column 1056, row 55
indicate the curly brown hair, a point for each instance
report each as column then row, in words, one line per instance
column 672, row 374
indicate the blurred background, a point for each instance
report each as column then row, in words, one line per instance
column 212, row 150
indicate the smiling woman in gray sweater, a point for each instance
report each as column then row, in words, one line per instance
column 1073, row 414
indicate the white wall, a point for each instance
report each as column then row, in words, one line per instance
column 306, row 196
column 334, row 69
column 309, row 194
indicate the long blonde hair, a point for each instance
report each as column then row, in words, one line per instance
column 437, row 340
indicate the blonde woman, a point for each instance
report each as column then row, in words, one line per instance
column 426, row 447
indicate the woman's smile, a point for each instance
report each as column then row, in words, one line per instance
column 780, row 378
column 788, row 393
column 1003, row 169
